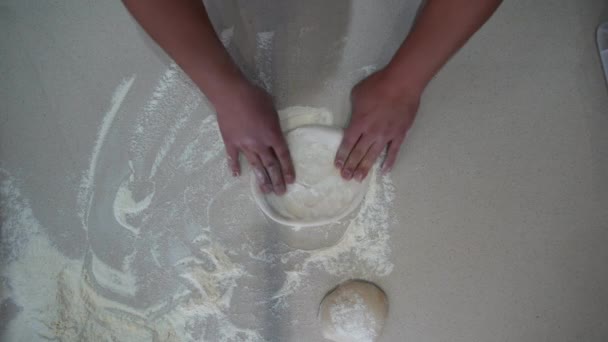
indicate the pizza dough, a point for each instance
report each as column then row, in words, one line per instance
column 319, row 195
column 353, row 312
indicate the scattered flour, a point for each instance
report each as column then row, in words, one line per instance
column 226, row 36
column 363, row 251
column 166, row 258
column 125, row 205
column 263, row 58
column 85, row 195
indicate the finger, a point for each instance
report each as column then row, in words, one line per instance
column 348, row 142
column 259, row 171
column 233, row 160
column 391, row 154
column 282, row 152
column 368, row 160
column 355, row 157
column 273, row 169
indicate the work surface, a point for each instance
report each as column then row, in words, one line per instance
column 120, row 219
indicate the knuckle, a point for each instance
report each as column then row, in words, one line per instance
column 271, row 164
column 249, row 143
column 356, row 155
column 256, row 164
column 384, row 131
column 245, row 143
column 349, row 138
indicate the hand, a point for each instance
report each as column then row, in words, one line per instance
column 249, row 124
column 381, row 115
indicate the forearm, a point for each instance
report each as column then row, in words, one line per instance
column 182, row 28
column 441, row 29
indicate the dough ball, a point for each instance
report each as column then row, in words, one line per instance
column 355, row 311
column 319, row 195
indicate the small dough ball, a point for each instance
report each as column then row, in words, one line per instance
column 355, row 311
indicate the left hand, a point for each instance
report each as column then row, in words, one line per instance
column 382, row 112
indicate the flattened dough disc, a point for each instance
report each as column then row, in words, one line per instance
column 319, row 195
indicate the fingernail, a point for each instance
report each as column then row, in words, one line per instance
column 289, row 179
column 339, row 164
column 235, row 173
column 279, row 190
column 359, row 176
column 347, row 174
column 266, row 188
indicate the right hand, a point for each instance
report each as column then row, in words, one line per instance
column 250, row 125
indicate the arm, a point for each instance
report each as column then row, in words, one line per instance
column 246, row 116
column 385, row 104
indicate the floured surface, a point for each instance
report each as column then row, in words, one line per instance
column 319, row 195
column 162, row 256
column 495, row 209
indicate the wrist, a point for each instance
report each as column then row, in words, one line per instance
column 221, row 87
column 397, row 83
column 237, row 97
